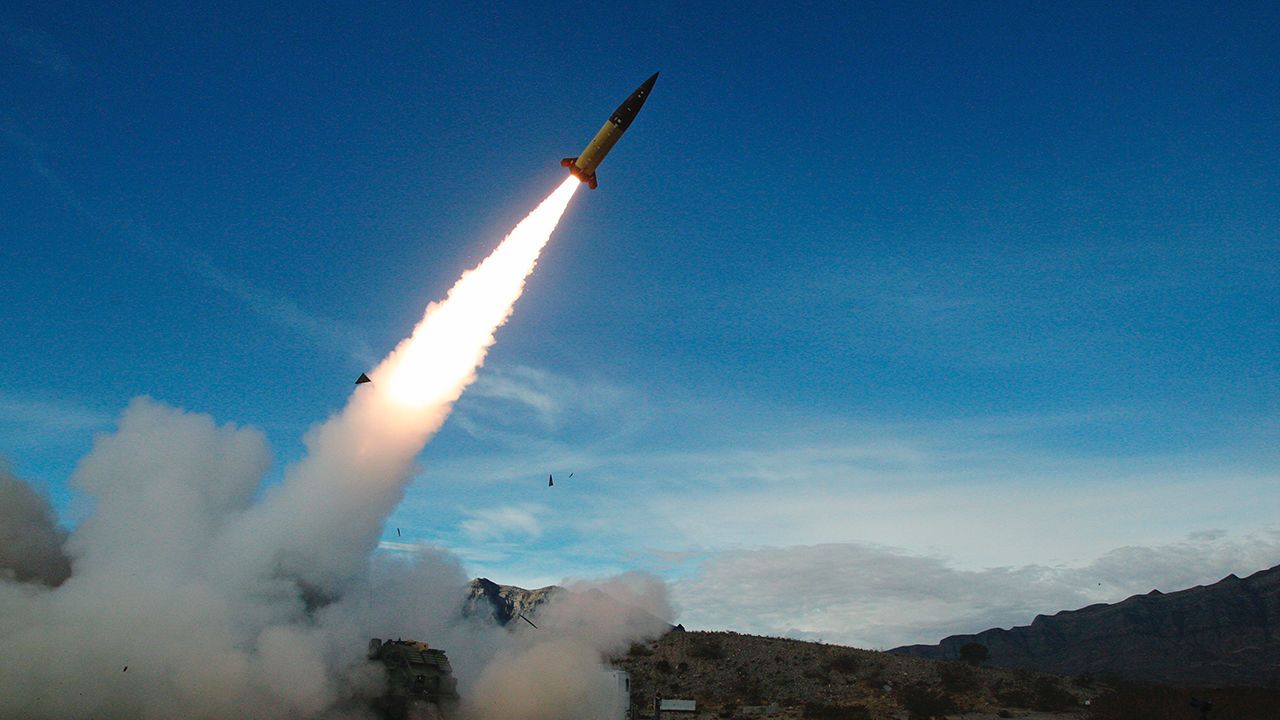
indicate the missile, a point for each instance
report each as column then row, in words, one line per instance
column 584, row 166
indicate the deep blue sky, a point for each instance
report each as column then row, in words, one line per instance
column 984, row 258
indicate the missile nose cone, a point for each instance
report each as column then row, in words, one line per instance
column 649, row 83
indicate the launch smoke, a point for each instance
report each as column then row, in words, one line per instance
column 224, row 604
column 357, row 461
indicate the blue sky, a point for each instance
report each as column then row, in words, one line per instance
column 984, row 285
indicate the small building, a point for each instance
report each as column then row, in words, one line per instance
column 677, row 705
column 621, row 708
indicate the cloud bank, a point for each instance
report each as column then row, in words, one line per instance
column 880, row 597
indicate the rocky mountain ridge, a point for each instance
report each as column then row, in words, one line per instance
column 504, row 603
column 1227, row 633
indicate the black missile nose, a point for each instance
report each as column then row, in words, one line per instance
column 648, row 84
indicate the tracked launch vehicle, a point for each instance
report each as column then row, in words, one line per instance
column 420, row 682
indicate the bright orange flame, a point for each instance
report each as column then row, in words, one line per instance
column 440, row 358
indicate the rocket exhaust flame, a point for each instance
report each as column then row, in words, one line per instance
column 358, row 460
column 439, row 359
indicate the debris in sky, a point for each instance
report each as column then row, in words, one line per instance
column 363, row 379
column 126, row 669
column 397, row 532
column 551, row 481
column 522, row 617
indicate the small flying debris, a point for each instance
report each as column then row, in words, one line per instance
column 363, row 379
column 126, row 669
column 397, row 532
column 551, row 480
column 522, row 617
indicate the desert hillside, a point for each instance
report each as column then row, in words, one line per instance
column 732, row 676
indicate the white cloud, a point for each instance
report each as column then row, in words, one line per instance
column 270, row 306
column 879, row 597
column 401, row 547
column 523, row 385
column 33, row 421
column 982, row 492
column 50, row 415
column 508, row 521
column 523, row 408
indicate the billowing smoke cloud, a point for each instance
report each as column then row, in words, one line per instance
column 200, row 638
column 30, row 540
column 554, row 671
column 190, row 595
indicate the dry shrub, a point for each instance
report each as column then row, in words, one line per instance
column 924, row 703
column 847, row 663
column 706, row 650
column 956, row 677
column 1049, row 696
column 820, row 711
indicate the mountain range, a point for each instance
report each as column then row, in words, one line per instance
column 1227, row 633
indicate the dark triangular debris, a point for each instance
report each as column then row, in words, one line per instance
column 362, row 379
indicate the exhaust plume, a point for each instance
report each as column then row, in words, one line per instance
column 30, row 539
column 323, row 520
column 187, row 597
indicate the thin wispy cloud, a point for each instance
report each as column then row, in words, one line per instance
column 281, row 310
column 982, row 491
column 523, row 385
column 52, row 415
column 506, row 522
column 517, row 403
column 272, row 307
column 400, row 547
column 32, row 420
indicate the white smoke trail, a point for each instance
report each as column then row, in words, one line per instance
column 188, row 599
column 321, row 523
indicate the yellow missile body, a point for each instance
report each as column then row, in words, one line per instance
column 584, row 166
